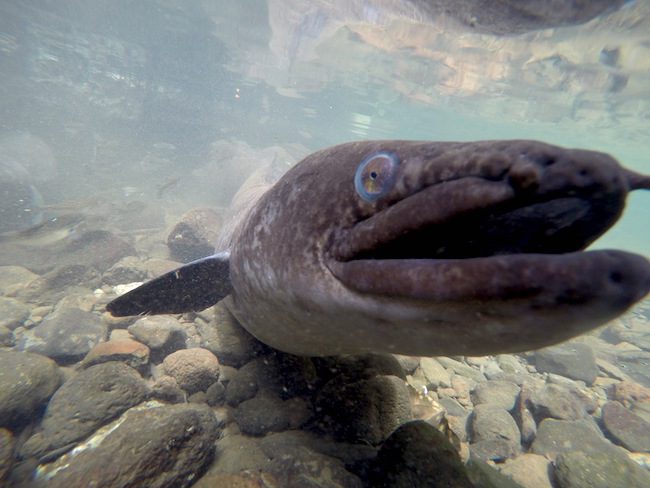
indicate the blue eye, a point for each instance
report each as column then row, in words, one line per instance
column 376, row 175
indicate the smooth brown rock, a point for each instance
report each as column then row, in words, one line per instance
column 27, row 381
column 130, row 352
column 626, row 428
column 149, row 446
column 194, row 369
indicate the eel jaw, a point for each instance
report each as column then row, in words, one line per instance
column 500, row 245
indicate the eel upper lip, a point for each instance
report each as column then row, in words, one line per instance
column 474, row 217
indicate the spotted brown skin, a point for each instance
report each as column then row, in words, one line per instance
column 468, row 248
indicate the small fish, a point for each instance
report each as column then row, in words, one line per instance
column 167, row 185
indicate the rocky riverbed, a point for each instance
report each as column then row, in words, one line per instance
column 90, row 400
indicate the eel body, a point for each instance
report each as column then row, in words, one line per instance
column 420, row 248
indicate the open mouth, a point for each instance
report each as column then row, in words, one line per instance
column 476, row 239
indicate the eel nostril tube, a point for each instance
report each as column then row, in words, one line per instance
column 525, row 175
column 637, row 181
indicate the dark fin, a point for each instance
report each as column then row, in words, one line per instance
column 190, row 288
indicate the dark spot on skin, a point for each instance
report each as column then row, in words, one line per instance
column 570, row 297
column 616, row 277
column 548, row 161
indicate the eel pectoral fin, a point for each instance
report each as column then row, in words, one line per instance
column 192, row 287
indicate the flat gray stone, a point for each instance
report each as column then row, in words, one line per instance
column 229, row 341
column 298, row 459
column 6, row 452
column 84, row 403
column 283, row 374
column 560, row 402
column 408, row 363
column 162, row 333
column 577, row 469
column 497, row 450
column 453, row 407
column 127, row 270
column 558, row 436
column 417, row 455
column 626, row 428
column 490, row 422
column 6, row 337
column 529, row 470
column 574, row 360
column 194, row 235
column 27, row 381
column 496, row 392
column 461, row 369
column 12, row 313
column 262, row 414
column 635, row 364
column 14, row 278
column 435, row 373
column 66, row 335
column 152, row 446
column 243, row 385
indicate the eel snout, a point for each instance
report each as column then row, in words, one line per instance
column 637, row 181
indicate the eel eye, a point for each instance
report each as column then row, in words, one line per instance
column 376, row 175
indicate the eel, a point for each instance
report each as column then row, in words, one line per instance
column 420, row 248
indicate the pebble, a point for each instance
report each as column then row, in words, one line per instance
column 6, row 337
column 529, row 470
column 625, row 428
column 216, row 394
column 127, row 270
column 409, row 363
column 163, row 334
column 635, row 364
column 14, row 279
column 367, row 410
column 573, row 360
column 243, row 385
column 65, row 335
column 194, row 236
column 496, row 450
column 629, row 393
column 490, row 422
column 559, row 402
column 12, row 313
column 6, row 452
column 417, row 455
column 579, row 469
column 462, row 369
column 435, row 373
column 128, row 351
column 524, row 417
column 151, row 445
column 558, row 436
column 84, row 403
column 511, row 364
column 194, row 369
column 229, row 341
column 262, row 414
column 166, row 389
column 496, row 392
column 27, row 381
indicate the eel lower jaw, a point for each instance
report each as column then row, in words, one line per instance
column 606, row 279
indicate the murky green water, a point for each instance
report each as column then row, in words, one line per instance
column 123, row 115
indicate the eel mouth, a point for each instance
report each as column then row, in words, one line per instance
column 479, row 239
